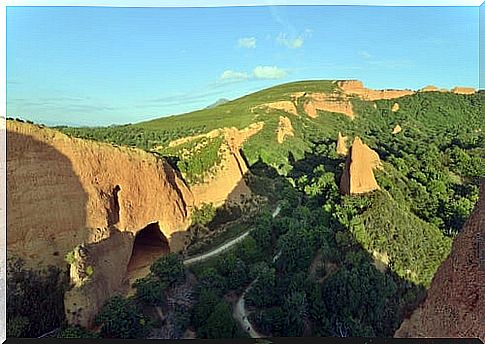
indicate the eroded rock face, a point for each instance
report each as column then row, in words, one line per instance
column 227, row 185
column 355, row 87
column 463, row 90
column 97, row 273
column 358, row 176
column 342, row 144
column 64, row 192
column 455, row 298
column 332, row 102
column 397, row 129
column 285, row 129
column 430, row 88
column 285, row 105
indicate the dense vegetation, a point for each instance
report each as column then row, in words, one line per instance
column 196, row 159
column 35, row 299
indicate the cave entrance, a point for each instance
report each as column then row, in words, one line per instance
column 150, row 244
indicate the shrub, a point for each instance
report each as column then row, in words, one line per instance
column 35, row 299
column 204, row 214
column 122, row 318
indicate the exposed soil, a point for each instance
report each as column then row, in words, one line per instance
column 355, row 87
column 358, row 176
column 397, row 129
column 285, row 129
column 342, row 144
column 327, row 102
column 285, row 105
column 463, row 90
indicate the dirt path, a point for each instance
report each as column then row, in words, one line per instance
column 240, row 312
column 217, row 250
column 225, row 246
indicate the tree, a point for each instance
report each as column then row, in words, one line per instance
column 295, row 308
column 204, row 307
column 150, row 290
column 262, row 293
column 271, row 321
column 209, row 278
column 249, row 250
column 169, row 269
column 234, row 269
column 204, row 214
column 262, row 235
column 35, row 299
column 76, row 332
column 221, row 324
column 122, row 318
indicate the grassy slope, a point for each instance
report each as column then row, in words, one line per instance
column 236, row 113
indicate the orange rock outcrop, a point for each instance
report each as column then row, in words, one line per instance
column 430, row 88
column 342, row 144
column 395, row 107
column 63, row 192
column 228, row 183
column 397, row 129
column 358, row 176
column 284, row 105
column 285, row 129
column 455, row 300
column 463, row 90
column 327, row 102
column 356, row 87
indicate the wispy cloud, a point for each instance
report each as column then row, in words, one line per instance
column 247, row 42
column 293, row 42
column 67, row 103
column 234, row 75
column 269, row 72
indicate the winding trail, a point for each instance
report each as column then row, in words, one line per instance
column 224, row 247
column 240, row 312
column 216, row 251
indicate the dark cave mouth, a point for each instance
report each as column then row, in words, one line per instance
column 149, row 245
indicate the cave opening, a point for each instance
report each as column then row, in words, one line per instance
column 149, row 245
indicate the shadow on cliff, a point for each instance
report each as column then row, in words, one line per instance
column 43, row 192
column 39, row 209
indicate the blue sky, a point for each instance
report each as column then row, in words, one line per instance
column 101, row 66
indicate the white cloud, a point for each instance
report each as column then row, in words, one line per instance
column 269, row 72
column 234, row 75
column 247, row 42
